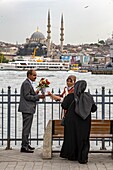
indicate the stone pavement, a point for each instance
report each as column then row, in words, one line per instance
column 14, row 160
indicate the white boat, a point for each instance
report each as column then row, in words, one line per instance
column 7, row 66
column 26, row 64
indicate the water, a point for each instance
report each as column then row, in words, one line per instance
column 57, row 79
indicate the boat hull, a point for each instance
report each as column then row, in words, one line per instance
column 36, row 66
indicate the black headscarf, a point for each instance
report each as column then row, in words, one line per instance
column 84, row 100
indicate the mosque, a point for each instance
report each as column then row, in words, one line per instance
column 38, row 45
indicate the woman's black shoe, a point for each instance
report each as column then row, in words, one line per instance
column 83, row 162
column 72, row 159
column 31, row 148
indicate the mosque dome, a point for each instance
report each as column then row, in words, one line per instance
column 109, row 41
column 37, row 36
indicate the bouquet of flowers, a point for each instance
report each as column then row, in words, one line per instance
column 43, row 83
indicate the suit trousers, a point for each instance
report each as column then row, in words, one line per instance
column 27, row 123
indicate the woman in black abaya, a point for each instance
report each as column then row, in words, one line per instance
column 79, row 106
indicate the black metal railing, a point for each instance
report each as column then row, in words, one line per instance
column 11, row 119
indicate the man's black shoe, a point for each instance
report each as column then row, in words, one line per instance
column 26, row 150
column 31, row 148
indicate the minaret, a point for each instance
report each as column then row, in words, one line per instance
column 48, row 35
column 62, row 34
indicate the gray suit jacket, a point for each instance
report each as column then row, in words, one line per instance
column 28, row 98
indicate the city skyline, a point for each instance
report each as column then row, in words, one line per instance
column 85, row 21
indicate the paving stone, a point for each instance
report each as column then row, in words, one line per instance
column 15, row 160
column 3, row 165
column 19, row 167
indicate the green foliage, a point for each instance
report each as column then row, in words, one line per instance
column 101, row 42
column 3, row 59
column 96, row 44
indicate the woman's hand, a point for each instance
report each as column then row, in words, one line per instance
column 49, row 93
column 54, row 97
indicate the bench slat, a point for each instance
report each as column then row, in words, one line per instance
column 101, row 127
column 91, row 136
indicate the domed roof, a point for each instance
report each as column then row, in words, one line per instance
column 37, row 35
column 109, row 41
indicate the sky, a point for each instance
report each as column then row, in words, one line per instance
column 85, row 21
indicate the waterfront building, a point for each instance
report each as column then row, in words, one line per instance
column 111, row 50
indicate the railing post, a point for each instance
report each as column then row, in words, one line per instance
column 103, row 102
column 103, row 115
column 8, row 118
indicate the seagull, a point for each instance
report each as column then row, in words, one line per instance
column 86, row 7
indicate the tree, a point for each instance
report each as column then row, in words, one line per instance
column 3, row 59
column 101, row 42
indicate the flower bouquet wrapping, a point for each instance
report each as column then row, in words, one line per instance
column 43, row 84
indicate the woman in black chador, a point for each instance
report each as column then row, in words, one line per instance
column 79, row 106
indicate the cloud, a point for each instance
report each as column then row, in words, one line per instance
column 41, row 0
column 26, row 0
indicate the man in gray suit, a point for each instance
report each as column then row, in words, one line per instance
column 27, row 106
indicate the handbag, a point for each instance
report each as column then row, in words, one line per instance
column 63, row 118
column 63, row 121
column 94, row 108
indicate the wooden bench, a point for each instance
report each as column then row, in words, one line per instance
column 100, row 129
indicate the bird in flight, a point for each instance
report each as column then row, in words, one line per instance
column 86, row 6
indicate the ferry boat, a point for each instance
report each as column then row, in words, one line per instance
column 26, row 64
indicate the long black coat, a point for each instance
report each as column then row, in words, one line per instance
column 76, row 133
